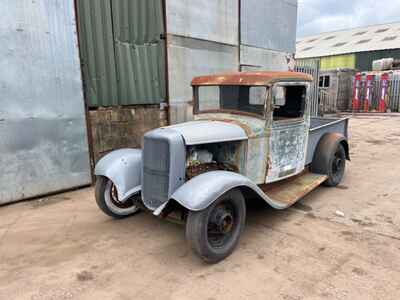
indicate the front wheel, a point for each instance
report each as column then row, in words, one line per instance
column 214, row 233
column 107, row 200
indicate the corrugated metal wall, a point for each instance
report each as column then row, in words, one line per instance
column 123, row 51
column 364, row 59
column 269, row 24
column 43, row 138
column 202, row 39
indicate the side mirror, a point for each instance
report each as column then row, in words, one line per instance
column 279, row 95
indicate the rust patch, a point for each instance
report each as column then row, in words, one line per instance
column 195, row 170
column 250, row 78
column 291, row 190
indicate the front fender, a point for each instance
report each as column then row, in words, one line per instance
column 124, row 168
column 200, row 192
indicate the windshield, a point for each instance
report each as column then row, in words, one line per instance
column 245, row 99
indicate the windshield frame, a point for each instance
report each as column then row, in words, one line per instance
column 197, row 111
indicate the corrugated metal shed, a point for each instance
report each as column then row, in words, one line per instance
column 257, row 59
column 215, row 21
column 364, row 60
column 371, row 38
column 43, row 138
column 123, row 52
column 269, row 24
column 97, row 52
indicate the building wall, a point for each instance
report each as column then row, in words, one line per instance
column 268, row 34
column 347, row 61
column 43, row 135
column 364, row 59
column 359, row 61
column 123, row 127
column 122, row 51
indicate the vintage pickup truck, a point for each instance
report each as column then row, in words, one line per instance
column 252, row 136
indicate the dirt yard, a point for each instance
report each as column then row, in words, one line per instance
column 63, row 247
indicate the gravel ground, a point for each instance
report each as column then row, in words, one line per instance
column 340, row 243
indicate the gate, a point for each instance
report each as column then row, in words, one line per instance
column 311, row 67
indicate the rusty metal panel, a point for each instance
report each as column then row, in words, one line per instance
column 269, row 24
column 43, row 140
column 287, row 151
column 188, row 58
column 216, row 21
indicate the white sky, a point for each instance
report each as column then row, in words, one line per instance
column 316, row 16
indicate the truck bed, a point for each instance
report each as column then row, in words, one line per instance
column 319, row 127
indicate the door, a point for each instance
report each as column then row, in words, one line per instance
column 289, row 131
column 43, row 138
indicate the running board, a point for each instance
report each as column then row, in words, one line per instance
column 287, row 192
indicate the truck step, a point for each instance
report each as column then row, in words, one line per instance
column 289, row 191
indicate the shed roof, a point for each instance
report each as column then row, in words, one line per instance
column 250, row 78
column 362, row 39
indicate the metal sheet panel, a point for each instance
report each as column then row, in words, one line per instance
column 141, row 73
column 138, row 22
column 257, row 59
column 216, row 21
column 269, row 24
column 188, row 58
column 97, row 52
column 123, row 52
column 42, row 119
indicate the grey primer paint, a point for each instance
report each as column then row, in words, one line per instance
column 43, row 139
column 164, row 166
column 124, row 168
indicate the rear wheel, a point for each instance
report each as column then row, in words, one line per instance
column 214, row 233
column 332, row 163
column 107, row 200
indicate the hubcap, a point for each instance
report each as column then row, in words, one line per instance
column 115, row 205
column 221, row 225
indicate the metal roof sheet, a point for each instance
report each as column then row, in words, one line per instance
column 363, row 39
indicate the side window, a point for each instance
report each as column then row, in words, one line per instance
column 257, row 95
column 327, row 81
column 289, row 102
column 324, row 81
column 210, row 98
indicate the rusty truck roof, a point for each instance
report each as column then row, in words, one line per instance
column 250, row 78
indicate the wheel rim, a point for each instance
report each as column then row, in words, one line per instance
column 222, row 223
column 115, row 205
column 338, row 164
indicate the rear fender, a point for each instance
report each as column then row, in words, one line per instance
column 201, row 191
column 124, row 168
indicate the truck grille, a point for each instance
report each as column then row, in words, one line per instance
column 164, row 166
column 156, row 163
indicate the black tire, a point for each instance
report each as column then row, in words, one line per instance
column 107, row 200
column 214, row 233
column 331, row 162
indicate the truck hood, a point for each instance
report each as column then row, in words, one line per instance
column 207, row 132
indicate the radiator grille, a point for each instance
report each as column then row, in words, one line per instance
column 156, row 165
